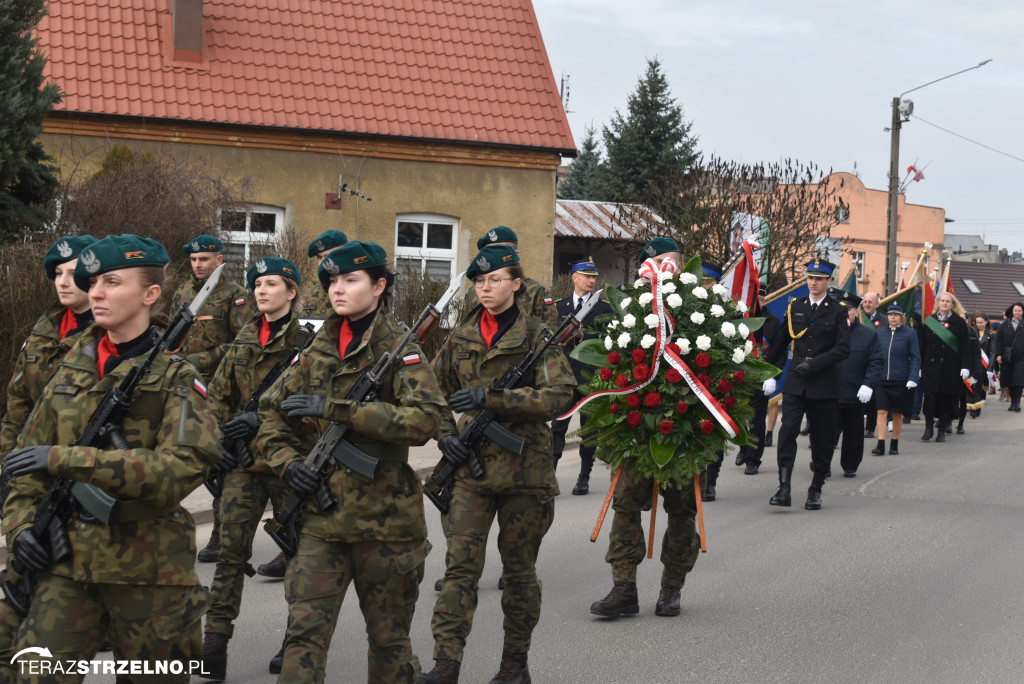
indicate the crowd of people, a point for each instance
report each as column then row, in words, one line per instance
column 252, row 393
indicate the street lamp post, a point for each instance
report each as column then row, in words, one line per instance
column 900, row 109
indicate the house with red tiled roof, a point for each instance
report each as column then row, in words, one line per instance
column 445, row 114
column 987, row 287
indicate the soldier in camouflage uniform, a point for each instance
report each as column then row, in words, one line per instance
column 265, row 341
column 314, row 300
column 375, row 537
column 223, row 314
column 626, row 548
column 134, row 579
column 517, row 489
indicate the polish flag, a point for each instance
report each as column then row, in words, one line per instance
column 743, row 280
column 918, row 175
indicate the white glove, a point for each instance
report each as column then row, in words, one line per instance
column 911, row 384
column 964, row 373
column 768, row 387
column 864, row 394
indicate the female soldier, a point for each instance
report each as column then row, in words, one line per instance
column 519, row 490
column 375, row 537
column 945, row 360
column 262, row 343
column 134, row 579
column 901, row 367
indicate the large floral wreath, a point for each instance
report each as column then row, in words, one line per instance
column 676, row 368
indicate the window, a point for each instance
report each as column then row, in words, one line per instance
column 250, row 232
column 858, row 265
column 971, row 287
column 842, row 214
column 1019, row 287
column 425, row 243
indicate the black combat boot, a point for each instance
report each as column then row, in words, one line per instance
column 928, row 431
column 215, row 657
column 668, row 601
column 894, row 447
column 783, row 497
column 439, row 584
column 277, row 662
column 710, row 480
column 211, row 552
column 274, row 568
column 879, row 450
column 583, row 481
column 621, row 600
column 940, row 432
column 813, row 502
column 446, row 671
column 513, row 669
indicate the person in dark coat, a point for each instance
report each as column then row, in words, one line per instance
column 945, row 364
column 584, row 279
column 876, row 321
column 1010, row 349
column 901, row 369
column 972, row 394
column 750, row 454
column 986, row 348
column 858, row 374
column 816, row 325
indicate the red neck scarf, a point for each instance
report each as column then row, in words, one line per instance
column 68, row 322
column 488, row 327
column 104, row 351
column 264, row 332
column 344, row 337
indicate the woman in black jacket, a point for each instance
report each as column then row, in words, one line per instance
column 945, row 364
column 1010, row 354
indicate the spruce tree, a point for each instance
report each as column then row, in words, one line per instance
column 580, row 183
column 27, row 182
column 650, row 141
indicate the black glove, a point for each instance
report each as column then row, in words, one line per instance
column 228, row 460
column 29, row 551
column 27, row 460
column 302, row 480
column 299, row 405
column 801, row 369
column 468, row 399
column 244, row 426
column 454, row 450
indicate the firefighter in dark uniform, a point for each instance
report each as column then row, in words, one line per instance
column 816, row 325
column 584, row 279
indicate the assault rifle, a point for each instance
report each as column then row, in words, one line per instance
column 332, row 447
column 240, row 448
column 65, row 497
column 484, row 424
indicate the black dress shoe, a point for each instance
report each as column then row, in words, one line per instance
column 621, row 600
column 880, row 449
column 916, row 416
column 768, row 437
column 668, row 601
column 928, row 432
column 741, row 458
column 813, row 502
column 709, row 493
column 959, row 430
column 941, row 436
column 948, row 429
column 751, row 469
column 849, row 473
column 582, row 485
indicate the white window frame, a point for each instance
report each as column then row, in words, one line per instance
column 423, row 253
column 247, row 238
column 971, row 286
column 1018, row 286
column 858, row 265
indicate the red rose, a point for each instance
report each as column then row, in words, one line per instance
column 729, row 402
column 724, row 386
column 621, row 380
column 739, row 376
column 653, row 400
column 704, row 380
column 673, row 375
column 703, row 360
column 633, row 401
column 641, row 372
column 633, row 419
column 639, row 356
column 665, row 427
column 614, row 408
column 707, row 427
column 614, row 358
column 682, row 407
column 673, row 347
column 606, row 373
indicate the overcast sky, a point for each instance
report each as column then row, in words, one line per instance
column 814, row 81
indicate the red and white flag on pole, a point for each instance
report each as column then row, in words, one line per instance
column 743, row 280
column 918, row 174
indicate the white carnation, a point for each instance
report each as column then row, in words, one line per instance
column 652, row 320
column 719, row 290
column 748, row 346
column 628, row 321
column 645, row 298
column 700, row 293
column 647, row 341
column 738, row 355
column 703, row 343
column 697, row 317
column 623, row 341
column 625, row 302
column 611, row 326
column 640, row 282
column 674, row 300
column 669, row 287
column 717, row 311
column 728, row 329
column 684, row 345
column 742, row 307
column 744, row 330
column 609, row 343
column 688, row 279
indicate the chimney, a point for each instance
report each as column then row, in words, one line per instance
column 187, row 25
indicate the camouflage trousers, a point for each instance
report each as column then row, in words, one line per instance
column 626, row 545
column 523, row 520
column 144, row 622
column 242, row 502
column 386, row 576
column 9, row 625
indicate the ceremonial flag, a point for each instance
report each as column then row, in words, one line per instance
column 742, row 277
column 850, row 282
column 918, row 174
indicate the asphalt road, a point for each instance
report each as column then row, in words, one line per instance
column 912, row 572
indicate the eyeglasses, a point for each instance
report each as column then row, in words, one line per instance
column 493, row 282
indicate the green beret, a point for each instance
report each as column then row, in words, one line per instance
column 63, row 251
column 329, row 239
column 491, row 258
column 272, row 266
column 659, row 245
column 499, row 234
column 115, row 252
column 352, row 256
column 203, row 243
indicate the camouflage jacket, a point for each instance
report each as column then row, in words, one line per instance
column 172, row 438
column 42, row 351
column 244, row 366
column 315, row 303
column 465, row 361
column 409, row 411
column 222, row 316
column 537, row 302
